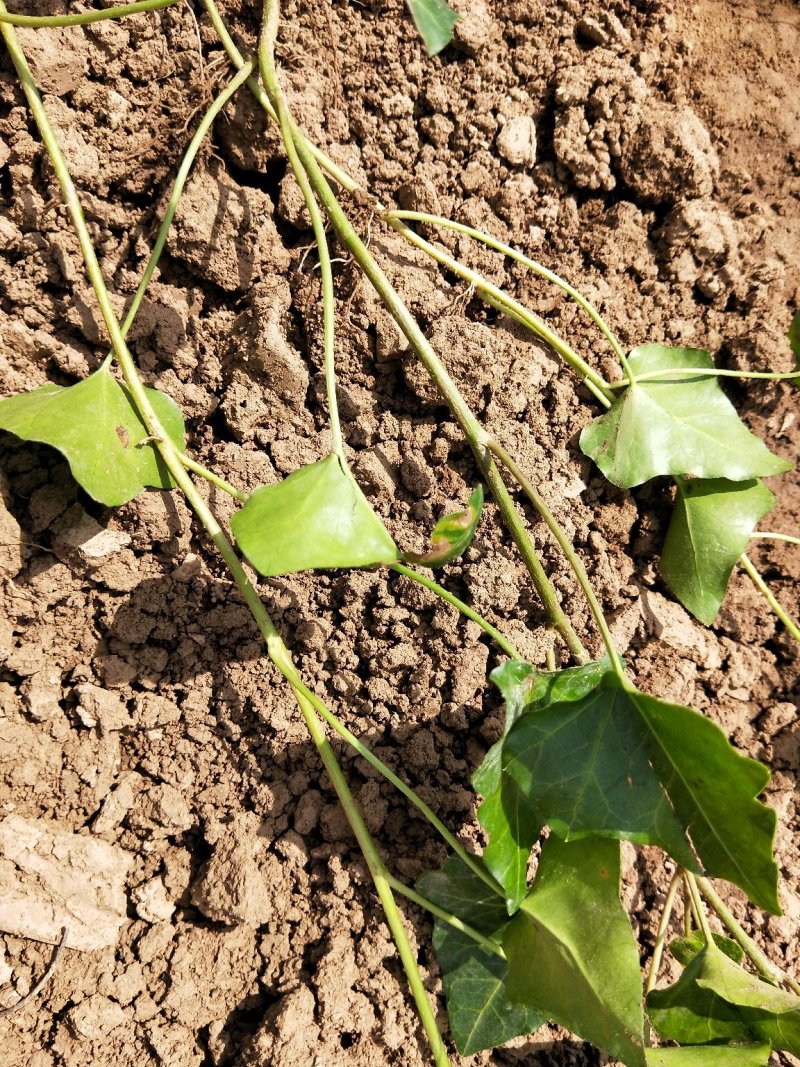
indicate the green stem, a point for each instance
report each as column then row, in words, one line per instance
column 765, row 967
column 269, row 75
column 700, row 912
column 85, row 17
column 770, row 597
column 678, row 374
column 485, row 943
column 526, row 261
column 198, row 468
column 775, row 537
column 465, row 609
column 521, row 314
column 566, row 547
column 472, row 429
column 663, row 927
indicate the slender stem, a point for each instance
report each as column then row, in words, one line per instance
column 519, row 312
column 566, row 547
column 775, row 537
column 465, row 609
column 486, row 943
column 679, row 373
column 519, row 257
column 694, row 893
column 29, row 997
column 769, row 596
column 85, row 17
column 663, row 927
column 215, row 479
column 472, row 429
column 269, row 75
column 765, row 967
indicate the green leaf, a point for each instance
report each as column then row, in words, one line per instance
column 711, row 525
column 95, row 426
column 623, row 764
column 452, row 535
column 680, row 425
column 793, row 337
column 684, row 949
column 435, row 21
column 474, row 979
column 314, row 519
column 710, row 1056
column 507, row 815
column 571, row 952
column 715, row 999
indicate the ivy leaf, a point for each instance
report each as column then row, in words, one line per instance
column 680, row 425
column 715, row 999
column 710, row 1056
column 793, row 337
column 571, row 951
column 712, row 522
column 314, row 519
column 507, row 815
column 684, row 949
column 452, row 535
column 622, row 764
column 474, row 979
column 435, row 21
column 96, row 427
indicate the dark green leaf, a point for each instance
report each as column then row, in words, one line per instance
column 623, row 764
column 681, row 425
column 711, row 525
column 474, row 979
column 95, row 426
column 314, row 519
column 684, row 949
column 794, row 338
column 710, row 1056
column 571, row 952
column 715, row 999
column 452, row 535
column 435, row 21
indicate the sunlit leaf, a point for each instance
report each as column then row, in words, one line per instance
column 435, row 21
column 710, row 1056
column 316, row 518
column 95, row 426
column 680, row 425
column 712, row 523
column 571, row 952
column 452, row 535
column 474, row 979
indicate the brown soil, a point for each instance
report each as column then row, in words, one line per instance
column 649, row 152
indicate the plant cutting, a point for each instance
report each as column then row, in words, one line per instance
column 586, row 759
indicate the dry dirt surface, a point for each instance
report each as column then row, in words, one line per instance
column 646, row 150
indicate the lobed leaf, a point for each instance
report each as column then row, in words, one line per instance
column 571, row 951
column 315, row 518
column 710, row 1056
column 96, row 427
column 712, row 523
column 452, row 535
column 680, row 425
column 435, row 21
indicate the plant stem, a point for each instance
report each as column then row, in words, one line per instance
column 566, row 547
column 531, row 264
column 678, row 374
column 486, row 943
column 269, row 75
column 465, row 609
column 518, row 312
column 775, row 537
column 85, row 17
column 769, row 596
column 765, row 967
column 198, row 468
column 694, row 893
column 663, row 927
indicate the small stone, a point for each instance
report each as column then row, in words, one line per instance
column 516, row 142
column 95, row 1017
column 99, row 707
column 152, row 903
column 78, row 532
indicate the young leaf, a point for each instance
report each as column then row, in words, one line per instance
column 435, row 21
column 474, row 979
column 96, row 427
column 452, row 535
column 681, row 425
column 684, row 949
column 623, row 764
column 571, row 952
column 714, row 999
column 507, row 815
column 711, row 524
column 710, row 1056
column 314, row 519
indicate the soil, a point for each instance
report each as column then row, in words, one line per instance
column 646, row 150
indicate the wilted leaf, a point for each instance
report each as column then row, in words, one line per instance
column 452, row 535
column 435, row 21
column 96, row 427
column 571, row 952
column 680, row 425
column 712, row 523
column 316, row 518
